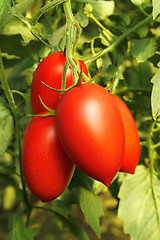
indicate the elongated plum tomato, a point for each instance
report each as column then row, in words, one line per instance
column 90, row 128
column 132, row 147
column 50, row 71
column 46, row 167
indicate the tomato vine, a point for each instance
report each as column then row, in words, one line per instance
column 121, row 44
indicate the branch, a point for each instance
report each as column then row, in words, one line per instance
column 120, row 39
column 44, row 9
column 13, row 108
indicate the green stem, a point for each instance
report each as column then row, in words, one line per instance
column 62, row 216
column 47, row 7
column 47, row 210
column 156, row 145
column 66, row 66
column 151, row 160
column 13, row 108
column 120, row 39
column 69, row 45
column 126, row 89
column 71, row 19
column 91, row 16
column 59, row 90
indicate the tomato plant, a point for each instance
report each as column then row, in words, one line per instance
column 118, row 41
column 46, row 167
column 91, row 131
column 50, row 71
column 132, row 143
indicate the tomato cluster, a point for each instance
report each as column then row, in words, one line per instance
column 92, row 129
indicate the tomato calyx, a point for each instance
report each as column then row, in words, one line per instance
column 50, row 112
column 47, row 113
column 79, row 81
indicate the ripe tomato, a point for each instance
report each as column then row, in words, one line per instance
column 46, row 167
column 132, row 147
column 50, row 71
column 90, row 128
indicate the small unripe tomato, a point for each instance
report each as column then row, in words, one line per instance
column 46, row 167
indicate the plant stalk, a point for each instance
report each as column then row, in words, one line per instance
column 120, row 39
column 44, row 9
column 70, row 21
column 15, row 114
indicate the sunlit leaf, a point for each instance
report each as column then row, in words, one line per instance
column 156, row 8
column 137, row 2
column 101, row 9
column 139, row 206
column 82, row 18
column 18, row 27
column 6, row 126
column 4, row 7
column 155, row 97
column 142, row 4
column 91, row 206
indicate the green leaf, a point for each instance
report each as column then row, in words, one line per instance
column 140, row 75
column 6, row 126
column 106, row 38
column 102, row 9
column 142, row 32
column 137, row 2
column 69, row 222
column 113, row 70
column 80, row 179
column 82, row 18
column 142, row 4
column 23, row 6
column 7, row 170
column 156, row 8
column 12, row 44
column 19, row 230
column 4, row 8
column 139, row 206
column 16, row 27
column 155, row 96
column 91, row 206
column 142, row 49
column 58, row 36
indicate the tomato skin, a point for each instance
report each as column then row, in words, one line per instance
column 47, row 169
column 132, row 147
column 50, row 71
column 90, row 128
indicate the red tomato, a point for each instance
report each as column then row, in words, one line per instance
column 46, row 167
column 90, row 128
column 50, row 71
column 132, row 147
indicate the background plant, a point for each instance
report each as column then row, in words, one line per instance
column 122, row 36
